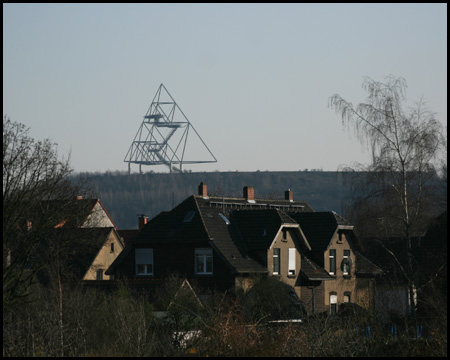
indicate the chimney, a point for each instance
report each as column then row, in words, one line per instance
column 249, row 193
column 79, row 197
column 288, row 195
column 203, row 190
column 142, row 221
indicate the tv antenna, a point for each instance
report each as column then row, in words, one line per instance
column 162, row 137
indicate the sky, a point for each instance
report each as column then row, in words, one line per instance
column 254, row 80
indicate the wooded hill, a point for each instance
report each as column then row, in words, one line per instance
column 125, row 196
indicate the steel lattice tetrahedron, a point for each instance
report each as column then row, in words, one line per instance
column 162, row 138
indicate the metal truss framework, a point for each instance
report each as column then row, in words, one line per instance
column 162, row 136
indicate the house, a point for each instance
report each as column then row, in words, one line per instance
column 223, row 242
column 335, row 248
column 98, row 251
column 128, row 234
column 86, row 230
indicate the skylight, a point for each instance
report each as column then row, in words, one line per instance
column 224, row 218
column 189, row 216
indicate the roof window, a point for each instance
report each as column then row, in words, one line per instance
column 224, row 218
column 189, row 216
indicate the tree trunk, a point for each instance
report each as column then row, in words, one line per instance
column 61, row 324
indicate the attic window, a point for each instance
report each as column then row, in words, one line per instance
column 189, row 216
column 224, row 218
column 99, row 274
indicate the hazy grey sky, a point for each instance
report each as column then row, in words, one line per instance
column 253, row 79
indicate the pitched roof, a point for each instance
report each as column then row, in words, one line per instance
column 365, row 267
column 192, row 221
column 68, row 213
column 128, row 235
column 259, row 227
column 183, row 224
column 243, row 203
column 227, row 224
column 319, row 227
column 311, row 271
column 87, row 245
column 234, row 226
column 225, row 237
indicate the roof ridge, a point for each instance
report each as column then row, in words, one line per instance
column 201, row 216
column 285, row 214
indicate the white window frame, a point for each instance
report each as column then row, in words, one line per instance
column 205, row 254
column 144, row 257
column 276, row 256
column 346, row 259
column 333, row 301
column 332, row 257
column 291, row 263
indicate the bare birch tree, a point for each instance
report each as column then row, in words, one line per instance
column 404, row 143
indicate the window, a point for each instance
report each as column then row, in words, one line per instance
column 333, row 303
column 347, row 297
column 332, row 256
column 99, row 274
column 189, row 216
column 284, row 235
column 8, row 259
column 346, row 264
column 224, row 218
column 203, row 261
column 291, row 268
column 112, row 247
column 276, row 261
column 144, row 261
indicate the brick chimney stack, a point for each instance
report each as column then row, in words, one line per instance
column 249, row 193
column 203, row 190
column 143, row 219
column 288, row 195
